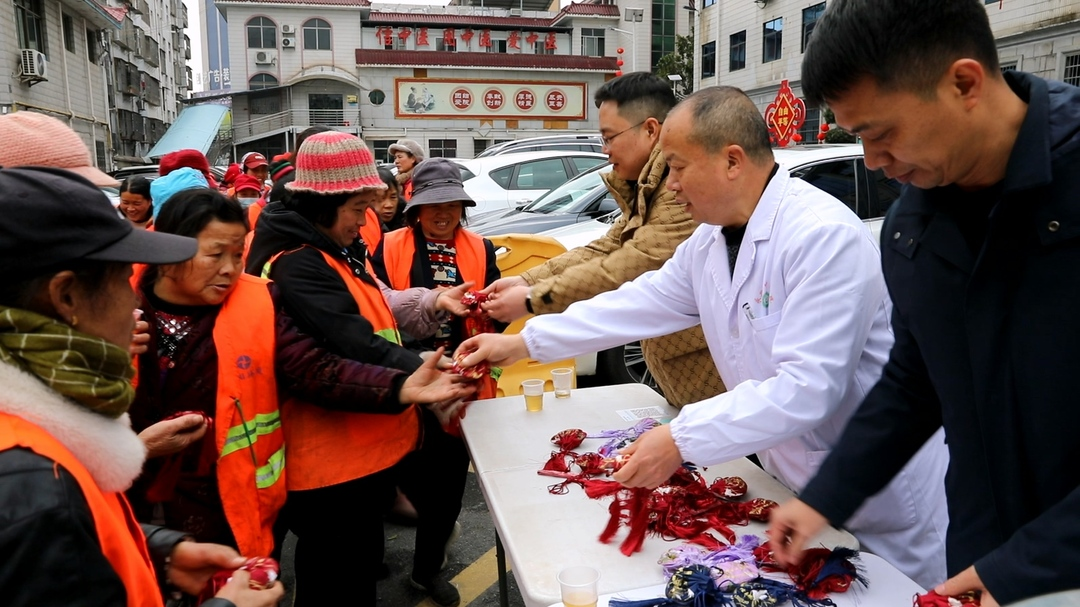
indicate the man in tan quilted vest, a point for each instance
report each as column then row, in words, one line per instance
column 632, row 111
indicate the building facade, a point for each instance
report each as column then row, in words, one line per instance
column 456, row 78
column 755, row 45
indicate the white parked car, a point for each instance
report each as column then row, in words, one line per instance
column 508, row 181
column 836, row 169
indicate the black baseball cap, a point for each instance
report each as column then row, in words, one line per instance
column 50, row 217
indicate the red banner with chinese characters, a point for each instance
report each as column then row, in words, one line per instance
column 785, row 115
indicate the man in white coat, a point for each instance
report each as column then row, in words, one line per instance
column 786, row 283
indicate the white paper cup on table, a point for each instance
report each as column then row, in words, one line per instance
column 577, row 586
column 533, row 389
column 563, row 379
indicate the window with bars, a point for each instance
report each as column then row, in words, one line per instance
column 442, row 148
column 737, row 57
column 316, row 35
column 1008, row 67
column 380, row 148
column 810, row 18
column 262, row 81
column 1072, row 69
column 772, row 40
column 68, row 25
column 30, row 25
column 810, row 126
column 265, row 103
column 261, row 33
column 708, row 59
column 663, row 29
column 592, row 42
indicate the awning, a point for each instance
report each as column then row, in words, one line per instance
column 195, row 128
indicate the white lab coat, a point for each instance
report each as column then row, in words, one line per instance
column 800, row 333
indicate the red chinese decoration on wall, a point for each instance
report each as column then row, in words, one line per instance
column 532, row 38
column 449, row 38
column 421, row 37
column 461, row 98
column 467, row 36
column 485, row 39
column 385, row 34
column 556, row 100
column 493, row 99
column 524, row 99
column 785, row 115
column 404, row 34
column 514, row 40
column 549, row 42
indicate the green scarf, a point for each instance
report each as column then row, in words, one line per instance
column 89, row 370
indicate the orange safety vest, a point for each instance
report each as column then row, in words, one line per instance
column 371, row 231
column 122, row 540
column 399, row 252
column 248, row 434
column 327, row 447
column 253, row 211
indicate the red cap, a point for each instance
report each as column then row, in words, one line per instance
column 183, row 158
column 231, row 173
column 247, row 182
column 252, row 160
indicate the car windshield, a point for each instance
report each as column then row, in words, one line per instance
column 568, row 194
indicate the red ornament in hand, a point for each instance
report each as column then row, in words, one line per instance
column 264, row 572
column 477, row 371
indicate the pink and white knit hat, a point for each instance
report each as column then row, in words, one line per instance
column 35, row 139
column 334, row 163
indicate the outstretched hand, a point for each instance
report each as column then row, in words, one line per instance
column 173, row 435
column 653, row 458
column 238, row 591
column 503, row 284
column 192, row 564
column 791, row 526
column 967, row 580
column 449, row 299
column 508, row 305
column 499, row 350
column 430, row 385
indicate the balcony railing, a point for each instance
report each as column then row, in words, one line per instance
column 347, row 120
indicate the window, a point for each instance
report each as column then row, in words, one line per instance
column 441, row 45
column 810, row 18
column 708, row 59
column 540, row 175
column 99, row 149
column 540, row 48
column 1008, row 67
column 809, row 129
column 442, row 148
column 772, row 40
column 316, row 35
column 1072, row 70
column 261, row 33
column 92, row 48
column 376, row 97
column 708, row 3
column 265, row 103
column 380, row 148
column 737, row 60
column 30, row 25
column 262, row 81
column 592, row 42
column 663, row 29
column 584, row 163
column 497, row 46
column 838, row 178
column 69, row 33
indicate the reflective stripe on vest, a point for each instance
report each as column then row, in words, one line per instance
column 121, row 539
column 399, row 253
column 323, row 444
column 249, row 437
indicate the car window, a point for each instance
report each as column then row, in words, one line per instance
column 567, row 195
column 540, row 175
column 838, row 178
column 584, row 163
column 886, row 189
column 466, row 174
column 502, row 176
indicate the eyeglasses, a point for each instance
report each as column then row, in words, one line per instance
column 607, row 140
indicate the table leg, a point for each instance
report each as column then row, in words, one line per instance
column 500, row 560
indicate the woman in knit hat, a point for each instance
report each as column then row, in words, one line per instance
column 407, row 153
column 343, row 468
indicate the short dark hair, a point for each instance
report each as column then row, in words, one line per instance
column 639, row 95
column 898, row 44
column 724, row 115
column 388, row 178
column 318, row 209
column 136, row 185
column 189, row 211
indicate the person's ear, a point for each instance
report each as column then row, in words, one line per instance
column 964, row 81
column 65, row 295
column 735, row 161
column 652, row 127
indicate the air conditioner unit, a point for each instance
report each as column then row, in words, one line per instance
column 288, row 29
column 515, row 12
column 265, row 58
column 288, row 42
column 33, row 66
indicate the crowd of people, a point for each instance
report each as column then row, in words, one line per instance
column 209, row 365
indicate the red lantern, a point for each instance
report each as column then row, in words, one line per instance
column 825, row 128
column 821, row 136
column 620, row 50
column 618, row 72
column 796, row 138
column 619, row 62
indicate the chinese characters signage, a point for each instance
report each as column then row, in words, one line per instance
column 785, row 115
column 512, row 99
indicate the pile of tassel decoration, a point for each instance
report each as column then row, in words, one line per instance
column 686, row 507
column 745, row 575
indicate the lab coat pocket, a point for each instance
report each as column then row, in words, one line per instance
column 893, row 509
column 763, row 332
column 764, row 323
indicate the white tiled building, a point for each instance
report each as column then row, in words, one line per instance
column 756, row 44
column 456, row 78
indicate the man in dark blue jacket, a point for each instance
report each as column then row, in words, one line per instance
column 981, row 255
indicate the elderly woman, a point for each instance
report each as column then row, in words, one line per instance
column 436, row 251
column 407, row 154
column 318, row 262
column 67, row 451
column 221, row 351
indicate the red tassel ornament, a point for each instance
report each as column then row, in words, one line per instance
column 569, row 439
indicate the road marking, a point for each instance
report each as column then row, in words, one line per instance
column 474, row 580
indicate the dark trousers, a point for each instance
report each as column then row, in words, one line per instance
column 339, row 540
column 433, row 478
